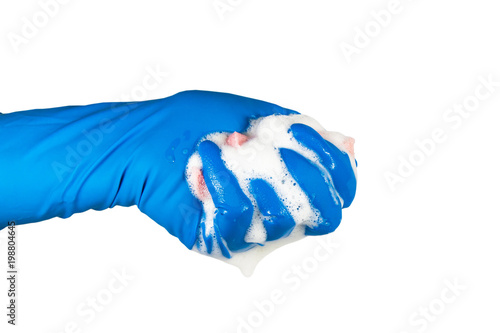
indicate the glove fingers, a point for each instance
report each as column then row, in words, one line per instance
column 234, row 209
column 332, row 158
column 321, row 195
column 207, row 238
column 277, row 221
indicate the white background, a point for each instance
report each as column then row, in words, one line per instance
column 398, row 247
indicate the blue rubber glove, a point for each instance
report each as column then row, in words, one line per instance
column 61, row 161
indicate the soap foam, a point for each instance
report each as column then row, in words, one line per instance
column 257, row 157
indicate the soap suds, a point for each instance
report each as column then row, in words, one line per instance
column 255, row 155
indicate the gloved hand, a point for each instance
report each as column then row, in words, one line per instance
column 248, row 181
column 61, row 161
